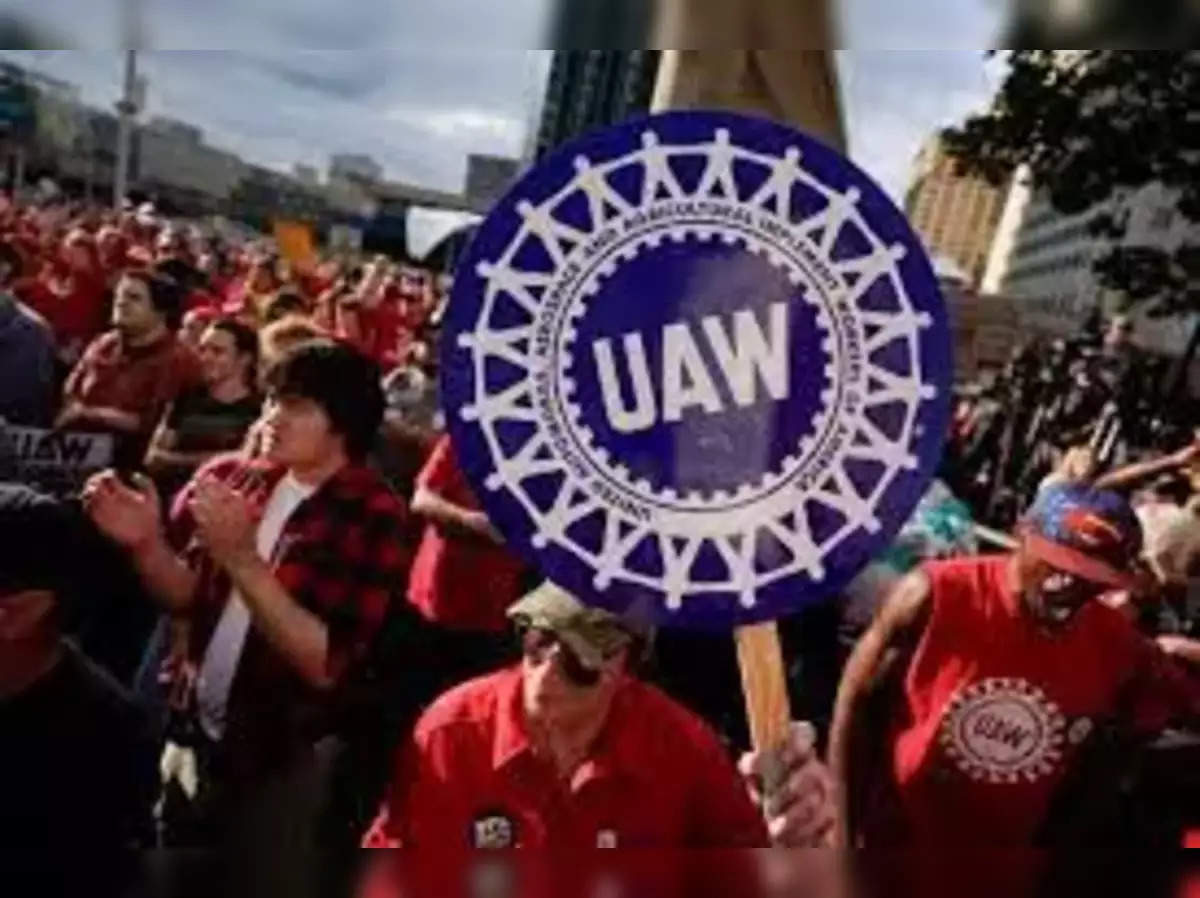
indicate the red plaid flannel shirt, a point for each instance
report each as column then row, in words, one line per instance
column 344, row 555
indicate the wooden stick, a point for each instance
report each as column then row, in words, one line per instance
column 760, row 657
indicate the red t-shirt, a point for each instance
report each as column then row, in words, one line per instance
column 657, row 784
column 995, row 712
column 466, row 584
column 140, row 380
column 386, row 331
column 73, row 304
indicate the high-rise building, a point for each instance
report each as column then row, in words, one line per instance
column 590, row 89
column 1044, row 259
column 955, row 215
column 488, row 177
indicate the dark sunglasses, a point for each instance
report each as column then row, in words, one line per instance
column 536, row 645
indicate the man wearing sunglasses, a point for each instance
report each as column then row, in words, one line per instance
column 568, row 751
column 971, row 712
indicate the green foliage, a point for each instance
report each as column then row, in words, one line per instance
column 1093, row 126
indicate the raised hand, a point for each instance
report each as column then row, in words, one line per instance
column 130, row 516
column 224, row 521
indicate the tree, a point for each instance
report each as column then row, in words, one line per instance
column 1092, row 127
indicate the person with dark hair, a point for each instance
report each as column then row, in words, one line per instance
column 26, row 353
column 127, row 376
column 284, row 303
column 194, row 324
column 342, row 382
column 77, row 764
column 971, row 713
column 214, row 417
column 285, row 568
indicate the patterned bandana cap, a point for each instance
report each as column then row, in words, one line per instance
column 1085, row 531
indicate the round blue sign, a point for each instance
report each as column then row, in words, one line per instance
column 697, row 365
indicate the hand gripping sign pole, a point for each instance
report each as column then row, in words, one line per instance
column 696, row 367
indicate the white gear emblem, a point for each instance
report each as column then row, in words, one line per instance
column 527, row 321
column 1003, row 730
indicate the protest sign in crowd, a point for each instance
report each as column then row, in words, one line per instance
column 249, row 605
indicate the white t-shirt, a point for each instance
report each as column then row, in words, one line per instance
column 224, row 649
column 1171, row 538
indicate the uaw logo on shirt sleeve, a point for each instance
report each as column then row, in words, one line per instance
column 698, row 362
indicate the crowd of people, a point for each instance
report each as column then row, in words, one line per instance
column 1097, row 389
column 280, row 627
column 282, row 496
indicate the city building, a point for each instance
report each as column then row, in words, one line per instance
column 984, row 332
column 88, row 163
column 306, row 174
column 355, row 166
column 264, row 195
column 1044, row 259
column 956, row 216
column 590, row 89
column 351, row 195
column 488, row 177
column 179, row 169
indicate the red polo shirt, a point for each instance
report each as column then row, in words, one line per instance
column 657, row 782
column 465, row 584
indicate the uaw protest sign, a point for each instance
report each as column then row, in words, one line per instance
column 57, row 462
column 697, row 364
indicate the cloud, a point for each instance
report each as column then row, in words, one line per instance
column 420, row 85
column 418, row 112
column 896, row 99
column 921, row 24
column 471, row 125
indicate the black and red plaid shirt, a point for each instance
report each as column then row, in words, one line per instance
column 344, row 555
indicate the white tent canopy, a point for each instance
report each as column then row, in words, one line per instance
column 425, row 228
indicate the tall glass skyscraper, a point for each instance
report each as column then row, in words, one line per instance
column 590, row 89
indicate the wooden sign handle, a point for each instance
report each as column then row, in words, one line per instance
column 760, row 657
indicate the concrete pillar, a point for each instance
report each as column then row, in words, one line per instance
column 796, row 86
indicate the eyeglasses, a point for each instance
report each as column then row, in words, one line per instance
column 537, row 643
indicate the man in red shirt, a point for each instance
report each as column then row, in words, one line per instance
column 69, row 292
column 127, row 376
column 569, row 752
column 1006, row 675
column 463, row 578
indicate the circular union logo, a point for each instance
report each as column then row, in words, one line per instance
column 698, row 363
column 1003, row 731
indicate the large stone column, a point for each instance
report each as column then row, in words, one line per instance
column 797, row 86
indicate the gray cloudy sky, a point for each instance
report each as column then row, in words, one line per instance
column 419, row 85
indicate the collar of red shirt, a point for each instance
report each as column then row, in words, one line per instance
column 614, row 755
column 120, row 349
